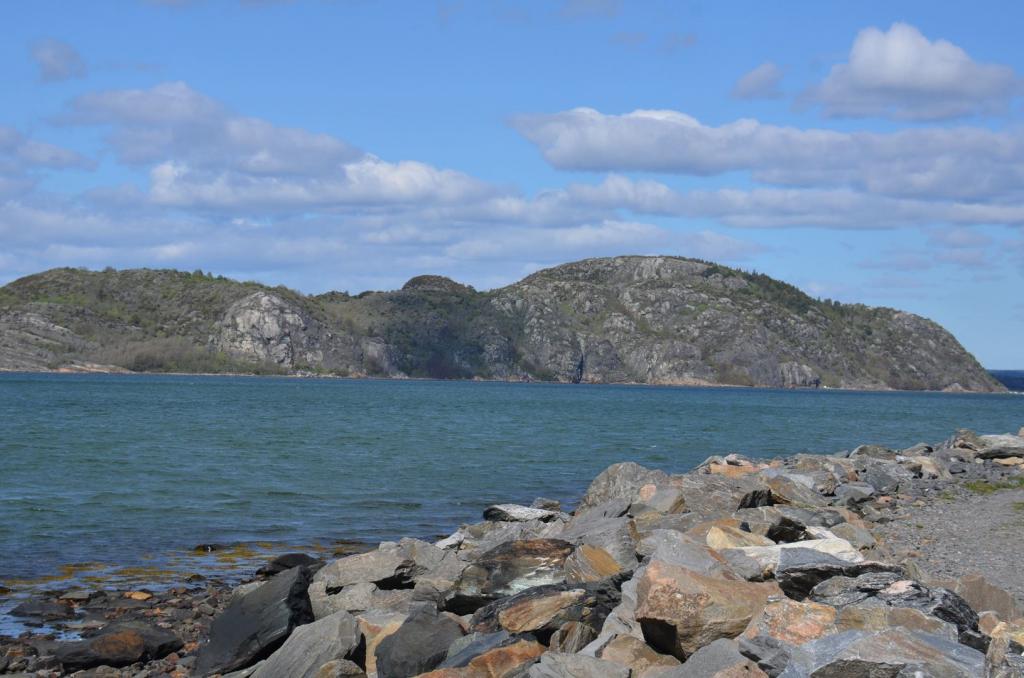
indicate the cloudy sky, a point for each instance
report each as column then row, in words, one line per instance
column 869, row 152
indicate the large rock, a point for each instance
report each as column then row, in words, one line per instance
column 620, row 481
column 311, row 646
column 680, row 549
column 800, row 570
column 118, row 645
column 392, row 565
column 634, row 653
column 503, row 661
column 589, row 564
column 602, row 528
column 508, row 569
column 375, row 627
column 357, row 598
column 256, row 624
column 1000, row 446
column 893, row 652
column 769, row 557
column 720, row 659
column 681, row 610
column 784, row 624
column 544, row 609
column 1005, row 657
column 982, row 595
column 418, row 646
column 561, row 665
column 514, row 513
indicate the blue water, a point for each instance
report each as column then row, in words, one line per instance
column 121, row 469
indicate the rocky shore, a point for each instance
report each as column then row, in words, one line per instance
column 874, row 562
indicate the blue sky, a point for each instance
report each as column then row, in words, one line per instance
column 867, row 152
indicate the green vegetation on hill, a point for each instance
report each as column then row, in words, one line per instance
column 624, row 319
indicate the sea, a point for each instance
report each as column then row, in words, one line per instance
column 110, row 478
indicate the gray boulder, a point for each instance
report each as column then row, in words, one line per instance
column 419, row 645
column 620, row 481
column 514, row 513
column 800, row 570
column 257, row 623
column 893, row 652
column 720, row 658
column 311, row 646
column 561, row 665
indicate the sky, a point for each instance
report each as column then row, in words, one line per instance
column 868, row 152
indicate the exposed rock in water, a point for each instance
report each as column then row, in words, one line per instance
column 657, row 320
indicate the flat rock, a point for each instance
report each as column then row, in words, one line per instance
column 892, row 652
column 419, row 645
column 311, row 646
column 769, row 557
column 375, row 627
column 544, row 609
column 514, row 513
column 392, row 565
column 589, row 564
column 508, row 569
column 256, row 624
column 118, row 645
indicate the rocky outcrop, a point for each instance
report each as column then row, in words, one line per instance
column 656, row 320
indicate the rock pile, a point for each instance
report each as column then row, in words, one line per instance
column 738, row 568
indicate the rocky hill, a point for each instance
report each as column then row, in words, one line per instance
column 656, row 320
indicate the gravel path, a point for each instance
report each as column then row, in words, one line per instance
column 964, row 533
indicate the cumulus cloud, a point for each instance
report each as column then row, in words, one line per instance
column 902, row 74
column 57, row 60
column 760, row 83
column 22, row 158
column 961, row 163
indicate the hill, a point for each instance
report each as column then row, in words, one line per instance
column 655, row 320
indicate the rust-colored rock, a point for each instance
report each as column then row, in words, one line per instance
column 681, row 610
column 590, row 563
column 793, row 622
column 634, row 653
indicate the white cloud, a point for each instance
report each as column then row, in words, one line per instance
column 959, row 163
column 22, row 159
column 901, row 74
column 57, row 60
column 760, row 83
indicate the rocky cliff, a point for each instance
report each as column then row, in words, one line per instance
column 656, row 320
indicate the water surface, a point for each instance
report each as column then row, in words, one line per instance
column 124, row 470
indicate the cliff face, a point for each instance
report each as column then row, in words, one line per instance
column 658, row 320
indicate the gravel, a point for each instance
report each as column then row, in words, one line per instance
column 961, row 532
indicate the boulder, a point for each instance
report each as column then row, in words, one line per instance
column 869, row 616
column 1005, row 657
column 508, row 569
column 892, row 652
column 677, row 548
column 725, row 537
column 620, row 481
column 311, row 646
column 514, row 513
column 719, row 659
column 465, row 649
column 561, row 665
column 256, row 624
column 982, row 595
column 769, row 557
column 357, row 598
column 286, row 562
column 792, row 622
column 1000, row 446
column 340, row 668
column 571, row 637
column 638, row 656
column 589, row 564
column 375, row 627
column 801, row 569
column 118, row 645
column 681, row 610
column 544, row 609
column 613, row 534
column 419, row 645
column 506, row 660
column 840, row 591
column 393, row 565
column 652, row 498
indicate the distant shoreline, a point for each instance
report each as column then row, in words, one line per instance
column 117, row 371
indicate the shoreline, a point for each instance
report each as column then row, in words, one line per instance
column 695, row 384
column 721, row 521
